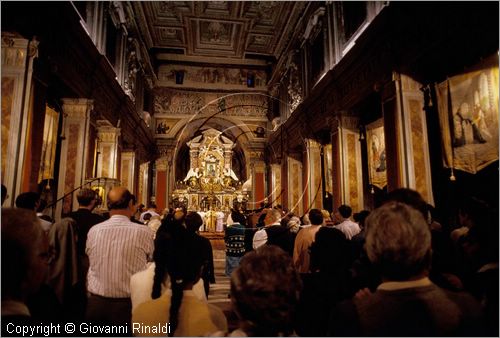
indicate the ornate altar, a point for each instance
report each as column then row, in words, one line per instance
column 210, row 184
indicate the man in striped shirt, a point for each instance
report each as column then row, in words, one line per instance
column 117, row 248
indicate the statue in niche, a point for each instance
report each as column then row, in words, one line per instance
column 162, row 128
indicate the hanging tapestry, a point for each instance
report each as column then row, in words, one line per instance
column 468, row 115
column 377, row 165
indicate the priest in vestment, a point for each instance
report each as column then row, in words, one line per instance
column 210, row 220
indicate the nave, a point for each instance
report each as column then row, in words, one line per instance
column 213, row 107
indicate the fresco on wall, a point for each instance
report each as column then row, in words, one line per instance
column 219, row 77
column 468, row 109
column 377, row 164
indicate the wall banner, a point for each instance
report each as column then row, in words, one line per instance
column 468, row 116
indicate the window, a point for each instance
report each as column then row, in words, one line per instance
column 353, row 15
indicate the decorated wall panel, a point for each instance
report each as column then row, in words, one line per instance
column 168, row 102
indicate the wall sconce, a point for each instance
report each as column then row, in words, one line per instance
column 361, row 132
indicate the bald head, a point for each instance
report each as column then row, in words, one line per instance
column 119, row 199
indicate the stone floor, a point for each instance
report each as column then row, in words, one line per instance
column 219, row 292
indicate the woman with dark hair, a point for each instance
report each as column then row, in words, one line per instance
column 179, row 255
column 142, row 282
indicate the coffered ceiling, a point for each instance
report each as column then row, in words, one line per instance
column 231, row 32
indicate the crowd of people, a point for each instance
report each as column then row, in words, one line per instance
column 390, row 271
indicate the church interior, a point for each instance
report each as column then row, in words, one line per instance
column 106, row 94
column 215, row 106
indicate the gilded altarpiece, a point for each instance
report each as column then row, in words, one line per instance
column 210, row 183
column 468, row 110
column 295, row 190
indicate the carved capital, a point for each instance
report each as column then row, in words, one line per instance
column 33, row 48
column 162, row 164
column 77, row 108
column 14, row 51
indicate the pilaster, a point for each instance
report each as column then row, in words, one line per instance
column 162, row 173
column 295, row 192
column 107, row 136
column 74, row 150
column 275, row 194
column 313, row 174
column 258, row 172
column 17, row 68
column 127, row 170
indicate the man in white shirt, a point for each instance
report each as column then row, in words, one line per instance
column 151, row 210
column 273, row 217
column 274, row 233
column 348, row 227
column 117, row 248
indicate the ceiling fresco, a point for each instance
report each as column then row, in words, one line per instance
column 245, row 32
